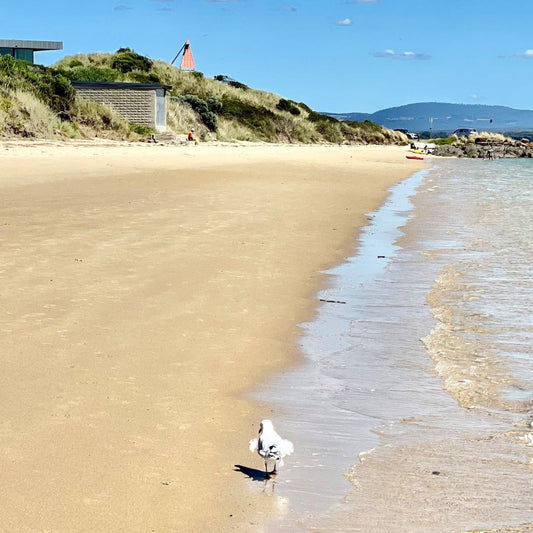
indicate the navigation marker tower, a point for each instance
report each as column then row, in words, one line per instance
column 187, row 61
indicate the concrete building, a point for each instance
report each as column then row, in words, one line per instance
column 140, row 103
column 25, row 50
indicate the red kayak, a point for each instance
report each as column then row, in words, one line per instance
column 414, row 157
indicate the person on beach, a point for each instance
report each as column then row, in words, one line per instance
column 191, row 137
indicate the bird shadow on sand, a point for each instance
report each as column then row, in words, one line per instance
column 252, row 473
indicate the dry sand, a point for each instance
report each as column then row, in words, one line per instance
column 145, row 289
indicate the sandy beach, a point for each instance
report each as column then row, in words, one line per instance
column 146, row 290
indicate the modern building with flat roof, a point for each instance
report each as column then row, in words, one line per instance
column 25, row 49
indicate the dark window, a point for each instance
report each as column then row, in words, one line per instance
column 24, row 53
column 6, row 52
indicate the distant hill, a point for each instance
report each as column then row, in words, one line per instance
column 447, row 117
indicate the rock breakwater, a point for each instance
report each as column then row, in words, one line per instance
column 486, row 150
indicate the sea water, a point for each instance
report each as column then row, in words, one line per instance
column 483, row 297
column 430, row 315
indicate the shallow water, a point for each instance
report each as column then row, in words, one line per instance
column 368, row 379
column 484, row 297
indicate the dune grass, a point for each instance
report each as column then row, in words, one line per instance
column 224, row 109
column 218, row 108
column 23, row 114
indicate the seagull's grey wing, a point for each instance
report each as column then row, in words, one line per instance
column 262, row 450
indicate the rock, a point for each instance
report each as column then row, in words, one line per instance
column 507, row 149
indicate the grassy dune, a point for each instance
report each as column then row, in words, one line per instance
column 36, row 101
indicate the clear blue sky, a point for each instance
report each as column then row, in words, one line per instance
column 334, row 55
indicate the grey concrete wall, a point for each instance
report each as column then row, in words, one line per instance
column 134, row 105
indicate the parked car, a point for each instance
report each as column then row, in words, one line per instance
column 465, row 132
column 410, row 134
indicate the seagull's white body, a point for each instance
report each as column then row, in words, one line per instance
column 271, row 447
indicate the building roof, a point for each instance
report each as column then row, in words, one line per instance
column 31, row 45
column 118, row 85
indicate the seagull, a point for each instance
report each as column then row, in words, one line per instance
column 271, row 447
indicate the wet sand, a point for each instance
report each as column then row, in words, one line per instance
column 146, row 290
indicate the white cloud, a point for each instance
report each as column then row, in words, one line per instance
column 344, row 22
column 527, row 54
column 289, row 9
column 401, row 55
column 122, row 8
